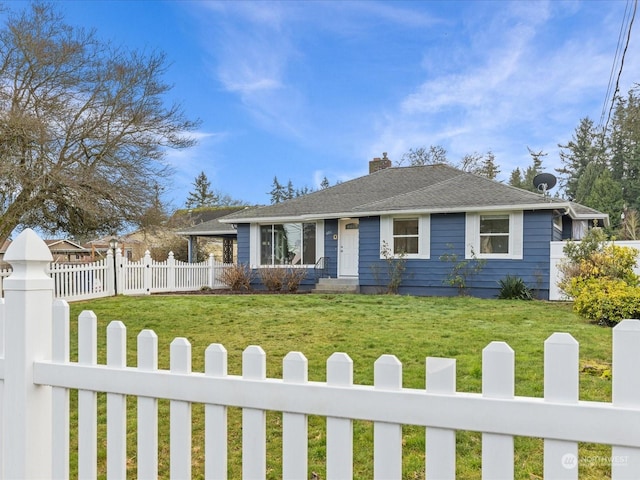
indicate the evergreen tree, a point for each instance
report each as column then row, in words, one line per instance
column 624, row 144
column 606, row 196
column 289, row 191
column 278, row 193
column 515, row 180
column 202, row 195
column 324, row 183
column 585, row 147
column 488, row 167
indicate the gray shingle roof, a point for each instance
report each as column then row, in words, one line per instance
column 429, row 188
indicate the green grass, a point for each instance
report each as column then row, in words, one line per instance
column 365, row 327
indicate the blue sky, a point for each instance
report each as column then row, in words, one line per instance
column 301, row 90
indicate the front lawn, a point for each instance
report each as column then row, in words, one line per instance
column 365, row 327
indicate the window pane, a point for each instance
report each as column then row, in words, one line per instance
column 494, row 224
column 266, row 249
column 405, row 226
column 309, row 244
column 405, row 245
column 280, row 245
column 494, row 244
column 292, row 243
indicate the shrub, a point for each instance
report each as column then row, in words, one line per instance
column 273, row 278
column 462, row 269
column 237, row 277
column 293, row 278
column 605, row 300
column 514, row 288
column 595, row 258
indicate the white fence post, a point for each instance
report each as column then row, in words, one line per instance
column 254, row 429
column 27, row 410
column 498, row 370
column 625, row 461
column 294, row 425
column 212, row 271
column 215, row 418
column 561, row 371
column 120, row 285
column 171, row 272
column 387, row 437
column 111, row 273
column 441, row 442
column 339, row 430
column 147, row 273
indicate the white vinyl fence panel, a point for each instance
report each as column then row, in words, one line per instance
column 37, row 375
column 111, row 275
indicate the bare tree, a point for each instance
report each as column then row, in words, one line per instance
column 84, row 127
column 424, row 156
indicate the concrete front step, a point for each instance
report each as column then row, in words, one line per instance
column 337, row 285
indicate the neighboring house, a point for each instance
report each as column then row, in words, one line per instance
column 62, row 251
column 424, row 212
column 205, row 222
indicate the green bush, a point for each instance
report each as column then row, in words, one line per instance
column 606, row 300
column 514, row 288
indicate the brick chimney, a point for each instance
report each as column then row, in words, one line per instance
column 379, row 163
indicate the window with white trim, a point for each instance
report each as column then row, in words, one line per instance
column 405, row 236
column 408, row 236
column 494, row 235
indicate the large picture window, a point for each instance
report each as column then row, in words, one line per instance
column 494, row 234
column 288, row 244
column 405, row 236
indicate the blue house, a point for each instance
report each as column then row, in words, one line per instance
column 428, row 215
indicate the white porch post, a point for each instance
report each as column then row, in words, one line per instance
column 27, row 410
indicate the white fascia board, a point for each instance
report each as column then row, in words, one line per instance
column 413, row 211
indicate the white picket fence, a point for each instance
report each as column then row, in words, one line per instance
column 37, row 377
column 96, row 279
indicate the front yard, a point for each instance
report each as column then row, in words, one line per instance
column 365, row 327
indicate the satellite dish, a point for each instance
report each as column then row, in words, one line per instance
column 544, row 182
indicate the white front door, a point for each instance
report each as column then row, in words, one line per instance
column 348, row 246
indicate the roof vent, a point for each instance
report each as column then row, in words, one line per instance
column 379, row 163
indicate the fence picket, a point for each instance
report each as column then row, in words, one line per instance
column 561, row 378
column 387, row 437
column 147, row 409
column 294, row 425
column 59, row 395
column 339, row 430
column 87, row 399
column 215, row 418
column 116, row 404
column 497, row 382
column 440, row 442
column 254, row 434
column 625, row 461
column 180, row 414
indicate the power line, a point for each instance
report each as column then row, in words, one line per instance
column 624, row 52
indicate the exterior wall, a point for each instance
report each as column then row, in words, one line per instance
column 243, row 244
column 428, row 277
column 331, row 246
column 244, row 258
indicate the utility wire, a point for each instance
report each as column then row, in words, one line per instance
column 603, row 113
column 624, row 52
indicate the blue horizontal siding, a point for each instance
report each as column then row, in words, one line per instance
column 429, row 277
